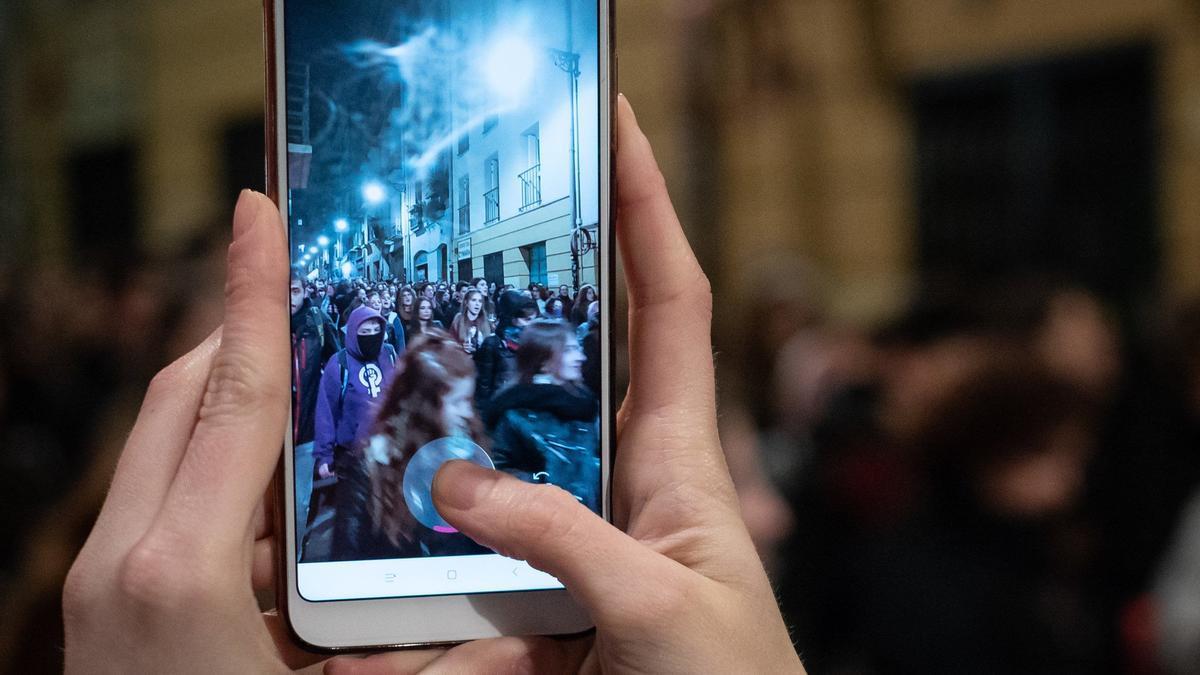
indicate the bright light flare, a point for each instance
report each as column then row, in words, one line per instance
column 323, row 241
column 341, row 225
column 374, row 193
column 508, row 67
column 347, row 269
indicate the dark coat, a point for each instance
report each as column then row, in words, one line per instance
column 548, row 433
column 496, row 365
column 355, row 536
column 314, row 340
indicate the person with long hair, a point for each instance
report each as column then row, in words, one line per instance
column 489, row 298
column 496, row 357
column 406, row 305
column 545, row 427
column 430, row 398
column 423, row 319
column 584, row 299
column 471, row 327
column 564, row 294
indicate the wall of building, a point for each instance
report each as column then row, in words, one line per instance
column 841, row 196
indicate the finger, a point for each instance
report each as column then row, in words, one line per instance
column 262, row 572
column 500, row 655
column 391, row 663
column 550, row 529
column 293, row 656
column 239, row 430
column 264, row 516
column 154, row 448
column 669, row 296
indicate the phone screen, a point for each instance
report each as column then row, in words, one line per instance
column 444, row 189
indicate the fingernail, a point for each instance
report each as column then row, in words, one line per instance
column 246, row 213
column 458, row 484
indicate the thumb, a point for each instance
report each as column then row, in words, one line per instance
column 606, row 570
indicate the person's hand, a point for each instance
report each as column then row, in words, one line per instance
column 164, row 582
column 324, row 471
column 676, row 585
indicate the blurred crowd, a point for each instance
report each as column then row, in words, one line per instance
column 80, row 347
column 994, row 481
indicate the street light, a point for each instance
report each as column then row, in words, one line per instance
column 374, row 193
column 341, row 225
column 312, row 250
column 347, row 269
column 323, row 241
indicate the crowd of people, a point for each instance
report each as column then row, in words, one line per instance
column 382, row 368
column 990, row 481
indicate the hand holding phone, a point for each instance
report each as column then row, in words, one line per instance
column 164, row 582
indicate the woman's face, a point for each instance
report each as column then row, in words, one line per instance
column 370, row 328
column 564, row 292
column 591, row 295
column 425, row 310
column 482, row 287
column 474, row 304
column 457, row 410
column 571, row 368
column 406, row 298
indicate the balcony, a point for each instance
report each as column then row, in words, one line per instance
column 491, row 206
column 531, row 187
column 464, row 218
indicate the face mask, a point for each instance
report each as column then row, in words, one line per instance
column 370, row 345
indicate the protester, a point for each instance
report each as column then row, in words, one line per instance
column 406, row 308
column 548, row 402
column 471, row 327
column 496, row 357
column 586, row 296
column 314, row 341
column 423, row 321
column 352, row 387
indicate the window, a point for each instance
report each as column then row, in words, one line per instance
column 493, row 268
column 465, row 272
column 464, row 205
column 531, row 177
column 490, row 122
column 491, row 198
column 464, row 144
column 535, row 258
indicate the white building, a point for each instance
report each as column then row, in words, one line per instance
column 512, row 193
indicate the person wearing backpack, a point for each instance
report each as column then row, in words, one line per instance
column 353, row 386
column 314, row 341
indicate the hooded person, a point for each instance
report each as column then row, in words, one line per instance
column 352, row 388
column 496, row 357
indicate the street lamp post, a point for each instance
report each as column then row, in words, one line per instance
column 568, row 62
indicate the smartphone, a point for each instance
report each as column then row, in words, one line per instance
column 444, row 172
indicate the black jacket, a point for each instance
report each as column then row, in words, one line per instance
column 548, row 433
column 496, row 364
column 314, row 340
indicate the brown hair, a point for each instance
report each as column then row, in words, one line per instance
column 411, row 416
column 542, row 342
column 460, row 328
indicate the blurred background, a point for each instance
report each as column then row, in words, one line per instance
column 954, row 246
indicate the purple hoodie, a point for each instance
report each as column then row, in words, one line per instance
column 366, row 384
